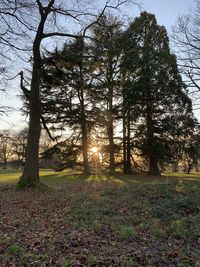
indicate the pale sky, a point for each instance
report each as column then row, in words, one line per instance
column 166, row 12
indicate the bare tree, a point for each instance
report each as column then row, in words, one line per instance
column 5, row 147
column 186, row 39
column 18, row 146
column 15, row 27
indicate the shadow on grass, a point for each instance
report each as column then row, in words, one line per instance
column 99, row 177
column 63, row 177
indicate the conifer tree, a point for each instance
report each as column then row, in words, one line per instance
column 107, row 55
column 66, row 81
column 157, row 89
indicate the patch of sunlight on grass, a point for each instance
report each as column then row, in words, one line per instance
column 12, row 176
column 51, row 177
column 102, row 178
column 47, row 176
column 184, row 176
column 9, row 176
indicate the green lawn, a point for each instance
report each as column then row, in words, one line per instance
column 99, row 220
column 55, row 178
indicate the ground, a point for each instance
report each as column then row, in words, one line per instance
column 99, row 220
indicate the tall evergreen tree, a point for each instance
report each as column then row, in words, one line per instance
column 157, row 88
column 107, row 54
column 66, row 80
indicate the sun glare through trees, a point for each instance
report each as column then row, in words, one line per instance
column 103, row 168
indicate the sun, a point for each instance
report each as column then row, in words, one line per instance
column 94, row 149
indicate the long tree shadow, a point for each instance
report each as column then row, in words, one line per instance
column 101, row 177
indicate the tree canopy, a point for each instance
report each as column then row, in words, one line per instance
column 105, row 87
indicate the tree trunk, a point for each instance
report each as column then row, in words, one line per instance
column 124, row 143
column 5, row 156
column 85, row 148
column 110, row 117
column 129, row 169
column 110, row 130
column 174, row 167
column 83, row 116
column 111, row 145
column 190, row 166
column 125, row 170
column 30, row 176
column 153, row 162
column 153, row 166
column 5, row 164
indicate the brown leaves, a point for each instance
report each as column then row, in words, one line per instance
column 80, row 226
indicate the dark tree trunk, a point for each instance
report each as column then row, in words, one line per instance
column 189, row 167
column 153, row 166
column 129, row 169
column 110, row 116
column 30, row 175
column 5, row 156
column 5, row 164
column 111, row 144
column 124, row 132
column 110, row 128
column 153, row 162
column 83, row 117
column 5, row 153
column 124, row 143
column 85, row 154
column 85, row 145
column 174, row 167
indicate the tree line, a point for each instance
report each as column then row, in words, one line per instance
column 121, row 89
column 13, row 148
column 109, row 84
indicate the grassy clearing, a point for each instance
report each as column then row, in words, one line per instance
column 99, row 220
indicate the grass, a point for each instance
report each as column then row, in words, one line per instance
column 13, row 249
column 100, row 220
column 52, row 178
column 126, row 232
